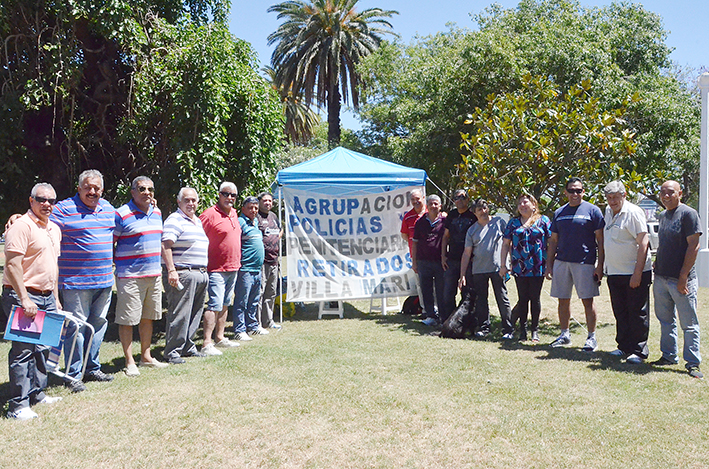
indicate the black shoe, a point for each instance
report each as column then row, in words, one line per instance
column 74, row 385
column 175, row 360
column 694, row 372
column 196, row 354
column 662, row 361
column 99, row 376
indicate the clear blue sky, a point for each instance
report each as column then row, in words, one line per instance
column 686, row 21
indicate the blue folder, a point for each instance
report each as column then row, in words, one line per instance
column 51, row 330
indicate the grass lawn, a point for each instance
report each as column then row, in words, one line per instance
column 378, row 391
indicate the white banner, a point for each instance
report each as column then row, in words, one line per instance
column 347, row 247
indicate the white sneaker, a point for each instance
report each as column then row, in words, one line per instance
column 242, row 336
column 24, row 413
column 210, row 350
column 226, row 343
column 274, row 326
column 590, row 345
column 259, row 331
column 618, row 353
column 49, row 400
column 634, row 359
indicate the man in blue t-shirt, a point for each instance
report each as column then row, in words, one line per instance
column 248, row 282
column 576, row 236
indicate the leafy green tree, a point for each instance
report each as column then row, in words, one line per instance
column 201, row 113
column 154, row 87
column 301, row 120
column 418, row 95
column 318, row 46
column 535, row 138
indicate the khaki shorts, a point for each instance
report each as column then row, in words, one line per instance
column 567, row 275
column 138, row 298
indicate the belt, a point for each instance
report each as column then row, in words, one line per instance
column 31, row 290
column 182, row 267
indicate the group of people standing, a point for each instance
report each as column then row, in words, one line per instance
column 472, row 250
column 61, row 256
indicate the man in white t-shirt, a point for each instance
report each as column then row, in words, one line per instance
column 629, row 271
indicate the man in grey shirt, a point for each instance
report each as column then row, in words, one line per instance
column 675, row 287
column 484, row 242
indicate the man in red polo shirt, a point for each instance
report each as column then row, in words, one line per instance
column 412, row 216
column 221, row 224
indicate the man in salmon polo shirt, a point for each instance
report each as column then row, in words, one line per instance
column 30, row 281
column 221, row 224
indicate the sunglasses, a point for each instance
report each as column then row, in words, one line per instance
column 41, row 200
column 574, row 191
column 460, row 197
column 228, row 194
column 143, row 189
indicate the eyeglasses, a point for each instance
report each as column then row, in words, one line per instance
column 460, row 197
column 228, row 194
column 142, row 189
column 574, row 191
column 41, row 200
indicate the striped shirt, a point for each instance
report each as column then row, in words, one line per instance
column 138, row 241
column 190, row 242
column 86, row 260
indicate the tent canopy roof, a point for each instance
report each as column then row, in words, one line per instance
column 341, row 169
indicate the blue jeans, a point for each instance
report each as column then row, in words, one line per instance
column 91, row 306
column 27, row 362
column 246, row 298
column 667, row 301
column 430, row 274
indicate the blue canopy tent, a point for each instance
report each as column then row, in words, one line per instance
column 342, row 172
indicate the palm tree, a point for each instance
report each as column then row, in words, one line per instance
column 300, row 118
column 319, row 44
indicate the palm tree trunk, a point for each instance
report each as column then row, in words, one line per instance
column 333, row 117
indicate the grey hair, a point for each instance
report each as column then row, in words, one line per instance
column 249, row 200
column 614, row 187
column 91, row 174
column 181, row 194
column 416, row 191
column 36, row 187
column 134, row 184
column 431, row 198
column 228, row 185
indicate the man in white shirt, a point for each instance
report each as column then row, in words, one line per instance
column 629, row 270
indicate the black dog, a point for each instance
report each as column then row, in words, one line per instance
column 463, row 318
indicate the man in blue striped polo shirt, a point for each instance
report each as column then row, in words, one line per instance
column 86, row 271
column 138, row 237
column 184, row 252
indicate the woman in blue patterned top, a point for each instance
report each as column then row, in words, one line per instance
column 525, row 240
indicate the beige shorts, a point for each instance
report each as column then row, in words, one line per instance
column 138, row 298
